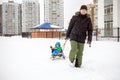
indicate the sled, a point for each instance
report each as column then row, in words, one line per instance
column 57, row 58
column 60, row 55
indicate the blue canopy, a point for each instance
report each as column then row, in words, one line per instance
column 47, row 25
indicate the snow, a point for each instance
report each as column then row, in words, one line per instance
column 29, row 59
column 54, row 26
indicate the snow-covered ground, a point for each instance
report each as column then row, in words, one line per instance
column 29, row 59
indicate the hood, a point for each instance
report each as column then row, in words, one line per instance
column 78, row 14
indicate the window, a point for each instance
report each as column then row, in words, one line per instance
column 108, row 17
column 108, row 10
column 5, row 11
column 111, row 10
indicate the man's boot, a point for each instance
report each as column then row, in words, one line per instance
column 76, row 63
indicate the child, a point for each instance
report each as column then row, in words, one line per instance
column 57, row 51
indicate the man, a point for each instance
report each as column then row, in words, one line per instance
column 80, row 26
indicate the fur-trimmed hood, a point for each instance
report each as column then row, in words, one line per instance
column 78, row 14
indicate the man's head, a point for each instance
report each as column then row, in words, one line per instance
column 83, row 9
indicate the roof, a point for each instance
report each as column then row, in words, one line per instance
column 47, row 25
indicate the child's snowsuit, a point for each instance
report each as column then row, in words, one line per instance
column 57, row 50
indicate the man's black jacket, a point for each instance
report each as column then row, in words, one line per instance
column 80, row 26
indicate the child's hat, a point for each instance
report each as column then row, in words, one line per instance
column 57, row 43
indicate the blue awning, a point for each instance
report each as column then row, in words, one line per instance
column 47, row 25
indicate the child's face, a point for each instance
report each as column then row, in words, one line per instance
column 57, row 45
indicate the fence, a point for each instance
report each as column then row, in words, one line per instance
column 107, row 34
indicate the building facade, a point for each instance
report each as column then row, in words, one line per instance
column 95, row 14
column 54, row 12
column 91, row 13
column 108, row 16
column 46, row 30
column 30, row 14
column 20, row 19
column 0, row 19
column 116, row 13
column 10, row 18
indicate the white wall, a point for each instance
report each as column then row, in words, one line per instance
column 0, row 1
column 115, row 13
column 100, row 13
column 118, row 13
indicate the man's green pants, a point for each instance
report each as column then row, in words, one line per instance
column 76, row 52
